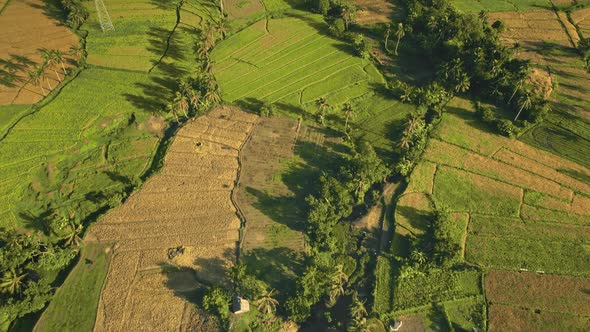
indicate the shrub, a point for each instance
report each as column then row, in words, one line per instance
column 337, row 27
column 507, row 128
column 267, row 110
column 361, row 45
column 216, row 301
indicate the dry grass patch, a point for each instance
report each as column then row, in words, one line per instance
column 422, row 178
column 374, row 11
column 533, row 165
column 188, row 204
column 535, row 291
column 509, row 318
column 581, row 205
column 24, row 29
column 529, row 212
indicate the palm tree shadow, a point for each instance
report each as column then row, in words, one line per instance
column 52, row 9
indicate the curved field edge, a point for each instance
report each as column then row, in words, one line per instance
column 82, row 286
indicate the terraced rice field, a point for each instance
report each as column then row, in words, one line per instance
column 31, row 155
column 24, row 29
column 187, row 204
column 289, row 62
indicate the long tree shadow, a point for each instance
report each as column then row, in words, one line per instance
column 11, row 66
column 278, row 267
column 52, row 9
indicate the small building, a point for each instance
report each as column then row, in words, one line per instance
column 240, row 305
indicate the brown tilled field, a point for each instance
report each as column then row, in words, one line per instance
column 516, row 295
column 187, row 204
column 28, row 27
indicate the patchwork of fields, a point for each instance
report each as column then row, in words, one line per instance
column 503, row 194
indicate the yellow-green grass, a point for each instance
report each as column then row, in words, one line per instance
column 78, row 144
column 413, row 216
column 422, row 178
column 464, row 191
column 549, row 247
column 9, row 114
column 74, row 305
column 383, row 296
column 293, row 63
column 466, row 314
column 435, row 286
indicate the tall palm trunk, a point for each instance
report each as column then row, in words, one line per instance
column 397, row 44
column 56, row 74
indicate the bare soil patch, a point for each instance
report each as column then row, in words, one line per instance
column 187, row 205
column 374, row 11
column 238, row 9
column 25, row 28
column 509, row 318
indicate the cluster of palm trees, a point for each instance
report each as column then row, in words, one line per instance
column 51, row 58
column 77, row 13
column 399, row 34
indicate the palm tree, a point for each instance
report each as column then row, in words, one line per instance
column 418, row 257
column 73, row 237
column 524, row 102
column 323, row 106
column 348, row 111
column 222, row 27
column 180, row 103
column 49, row 61
column 357, row 308
column 387, row 34
column 267, row 304
column 348, row 15
column 221, row 7
column 35, row 77
column 464, row 84
column 76, row 50
column 521, row 75
column 12, row 282
column 212, row 97
column 407, row 93
column 338, row 279
column 399, row 34
column 59, row 57
column 44, row 75
column 405, row 141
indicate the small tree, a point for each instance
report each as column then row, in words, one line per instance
column 348, row 112
column 524, row 102
column 399, row 34
column 322, row 106
column 217, row 301
column 267, row 109
column 387, row 34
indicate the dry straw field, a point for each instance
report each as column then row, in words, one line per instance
column 21, row 54
column 187, row 204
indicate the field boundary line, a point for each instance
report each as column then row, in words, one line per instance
column 505, row 163
column 178, row 7
column 301, row 79
column 276, row 70
column 234, row 193
column 6, row 5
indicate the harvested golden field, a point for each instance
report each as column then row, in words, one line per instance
column 582, row 19
column 188, row 204
column 25, row 28
column 539, row 291
column 509, row 318
column 262, row 194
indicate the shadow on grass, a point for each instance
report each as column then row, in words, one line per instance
column 278, row 267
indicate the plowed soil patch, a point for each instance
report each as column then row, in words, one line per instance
column 187, row 204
